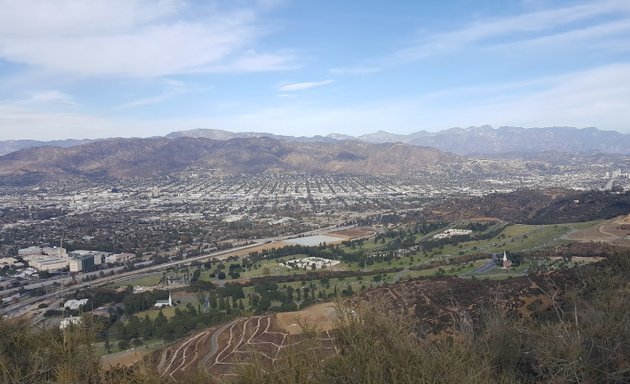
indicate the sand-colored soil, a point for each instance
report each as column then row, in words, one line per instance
column 321, row 317
column 222, row 350
column 124, row 358
column 609, row 231
column 245, row 252
column 354, row 233
column 581, row 259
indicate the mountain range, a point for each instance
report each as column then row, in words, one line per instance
column 483, row 140
column 466, row 141
column 123, row 158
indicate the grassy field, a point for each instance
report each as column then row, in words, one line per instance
column 514, row 238
column 153, row 312
column 144, row 281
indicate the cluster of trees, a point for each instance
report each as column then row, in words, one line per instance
column 489, row 232
column 136, row 329
column 138, row 302
column 399, row 238
column 215, row 306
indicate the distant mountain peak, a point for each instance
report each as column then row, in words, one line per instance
column 482, row 139
column 123, row 158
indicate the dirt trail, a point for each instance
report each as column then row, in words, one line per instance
column 220, row 351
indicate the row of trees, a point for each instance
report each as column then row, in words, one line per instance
column 161, row 327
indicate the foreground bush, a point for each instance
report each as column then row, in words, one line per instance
column 583, row 337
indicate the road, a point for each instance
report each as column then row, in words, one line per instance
column 399, row 275
column 214, row 343
column 487, row 267
column 17, row 308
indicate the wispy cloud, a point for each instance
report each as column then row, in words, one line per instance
column 358, row 70
column 171, row 89
column 49, row 97
column 549, row 24
column 290, row 87
column 593, row 97
column 582, row 38
column 132, row 38
column 20, row 121
column 254, row 62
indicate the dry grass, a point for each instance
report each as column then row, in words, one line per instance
column 321, row 317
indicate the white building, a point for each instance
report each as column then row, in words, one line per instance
column 310, row 263
column 119, row 258
column 7, row 261
column 34, row 250
column 99, row 257
column 74, row 304
column 164, row 303
column 55, row 251
column 452, row 232
column 48, row 263
column 81, row 263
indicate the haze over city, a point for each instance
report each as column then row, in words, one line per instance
column 89, row 69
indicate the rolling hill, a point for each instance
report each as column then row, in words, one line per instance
column 121, row 158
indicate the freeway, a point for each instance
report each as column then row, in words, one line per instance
column 19, row 307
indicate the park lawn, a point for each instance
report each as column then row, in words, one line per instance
column 514, row 238
column 275, row 269
column 395, row 263
column 449, row 270
column 515, row 230
column 368, row 245
column 354, row 281
column 145, row 281
column 539, row 237
column 585, row 224
column 500, row 274
column 167, row 311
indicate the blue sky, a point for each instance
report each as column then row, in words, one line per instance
column 105, row 68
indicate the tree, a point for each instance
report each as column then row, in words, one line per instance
column 147, row 328
column 160, row 324
column 123, row 345
column 265, row 302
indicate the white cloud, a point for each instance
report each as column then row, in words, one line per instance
column 604, row 34
column 19, row 122
column 254, row 62
column 171, row 89
column 134, row 38
column 521, row 28
column 50, row 97
column 358, row 70
column 595, row 97
column 290, row 87
column 41, row 18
